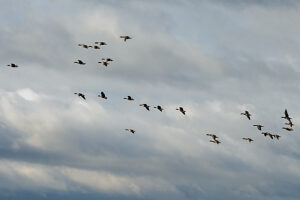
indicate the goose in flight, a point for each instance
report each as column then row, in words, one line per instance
column 100, row 43
column 181, row 110
column 214, row 137
column 80, row 95
column 247, row 114
column 286, row 115
column 215, row 141
column 107, row 59
column 125, row 37
column 276, row 136
column 290, row 123
column 249, row 139
column 102, row 95
column 258, row 126
column 129, row 98
column 80, row 62
column 130, row 130
column 84, row 46
column 12, row 65
column 95, row 47
column 159, row 108
column 146, row 106
column 287, row 128
column 104, row 63
column 267, row 134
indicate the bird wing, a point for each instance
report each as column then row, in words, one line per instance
column 286, row 113
column 248, row 116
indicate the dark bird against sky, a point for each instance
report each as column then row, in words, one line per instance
column 102, row 95
column 80, row 95
column 247, row 114
column 180, row 109
column 125, row 37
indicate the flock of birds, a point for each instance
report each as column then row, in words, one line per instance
column 259, row 127
column 214, row 138
column 105, row 62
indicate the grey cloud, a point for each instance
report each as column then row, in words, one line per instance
column 211, row 58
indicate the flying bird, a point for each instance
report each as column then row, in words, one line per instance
column 84, row 46
column 159, row 108
column 267, row 134
column 286, row 115
column 104, row 63
column 214, row 137
column 181, row 110
column 107, row 59
column 290, row 123
column 80, row 62
column 12, row 65
column 102, row 95
column 276, row 136
column 130, row 130
column 258, row 126
column 248, row 139
column 95, row 47
column 247, row 114
column 287, row 128
column 215, row 141
column 146, row 106
column 80, row 95
column 100, row 43
column 129, row 98
column 125, row 37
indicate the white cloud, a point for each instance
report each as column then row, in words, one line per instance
column 28, row 94
column 212, row 59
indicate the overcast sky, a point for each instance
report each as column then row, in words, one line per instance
column 215, row 58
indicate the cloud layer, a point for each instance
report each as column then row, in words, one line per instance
column 214, row 58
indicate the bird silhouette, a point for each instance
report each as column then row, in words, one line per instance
column 100, row 43
column 286, row 115
column 247, row 114
column 258, row 126
column 80, row 62
column 84, row 46
column 104, row 63
column 129, row 98
column 248, row 139
column 159, row 108
column 267, row 134
column 80, row 95
column 215, row 141
column 181, row 110
column 290, row 123
column 214, row 137
column 107, row 59
column 102, row 95
column 12, row 65
column 276, row 136
column 130, row 130
column 287, row 128
column 146, row 106
column 125, row 37
column 95, row 47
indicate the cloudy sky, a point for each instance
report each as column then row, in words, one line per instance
column 215, row 58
